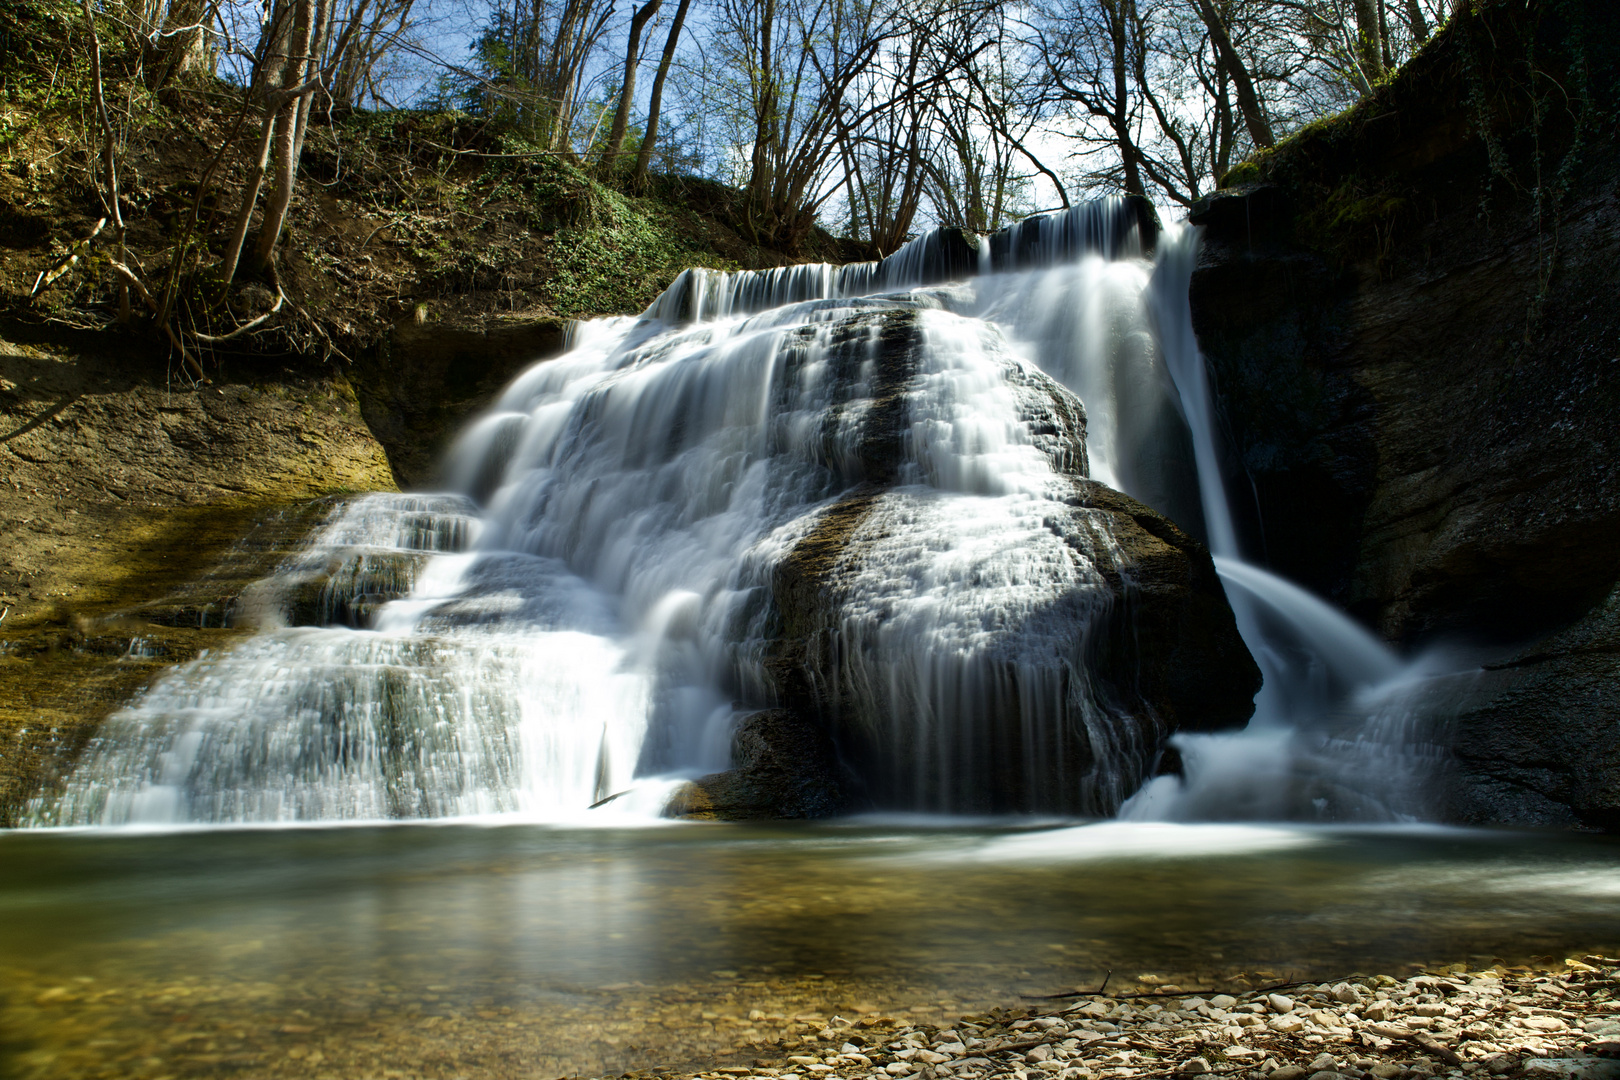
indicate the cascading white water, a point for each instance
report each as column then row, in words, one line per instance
column 1336, row 732
column 595, row 611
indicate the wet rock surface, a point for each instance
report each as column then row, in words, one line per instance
column 419, row 383
column 1427, row 420
column 1146, row 648
column 782, row 767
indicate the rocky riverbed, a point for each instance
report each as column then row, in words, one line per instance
column 1498, row 1022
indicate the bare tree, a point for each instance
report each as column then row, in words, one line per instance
column 1237, row 71
column 655, row 104
column 883, row 159
column 1086, row 52
column 627, row 83
column 794, row 64
column 988, row 106
column 536, row 56
column 372, row 31
column 178, row 41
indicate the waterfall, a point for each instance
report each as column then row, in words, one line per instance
column 585, row 619
column 1340, row 724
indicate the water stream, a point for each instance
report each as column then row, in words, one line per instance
column 595, row 606
column 522, row 951
column 529, row 664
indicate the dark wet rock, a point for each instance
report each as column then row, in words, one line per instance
column 418, row 386
column 1071, row 702
column 1424, row 424
column 782, row 767
column 349, row 591
column 1172, row 644
column 1538, row 740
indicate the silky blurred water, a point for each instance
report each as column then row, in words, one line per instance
column 522, row 950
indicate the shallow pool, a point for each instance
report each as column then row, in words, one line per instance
column 496, row 950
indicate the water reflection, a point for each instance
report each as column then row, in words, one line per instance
column 520, row 950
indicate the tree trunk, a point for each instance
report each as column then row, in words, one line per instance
column 1369, row 42
column 644, row 154
column 182, row 47
column 109, row 157
column 627, row 92
column 759, row 173
column 1383, row 37
column 286, row 144
column 1416, row 23
column 561, row 80
column 1119, row 17
column 1254, row 117
column 267, row 76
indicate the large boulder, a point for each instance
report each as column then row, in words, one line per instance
column 965, row 645
column 781, row 767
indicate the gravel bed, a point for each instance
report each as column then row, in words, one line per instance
column 1495, row 1023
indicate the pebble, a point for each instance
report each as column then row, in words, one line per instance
column 1433, row 1027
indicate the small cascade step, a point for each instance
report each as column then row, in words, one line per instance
column 359, row 583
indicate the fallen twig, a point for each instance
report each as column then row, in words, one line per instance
column 245, row 327
column 47, row 278
column 486, row 154
column 134, row 280
column 1421, row 1039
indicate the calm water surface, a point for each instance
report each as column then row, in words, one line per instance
column 525, row 950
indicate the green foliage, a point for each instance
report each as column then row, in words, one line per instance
column 39, row 77
column 623, row 260
column 491, row 212
column 1244, row 172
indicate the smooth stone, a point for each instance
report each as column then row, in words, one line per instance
column 1279, row 1003
column 1543, row 1023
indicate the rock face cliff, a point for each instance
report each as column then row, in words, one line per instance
column 1410, row 316
column 133, row 512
